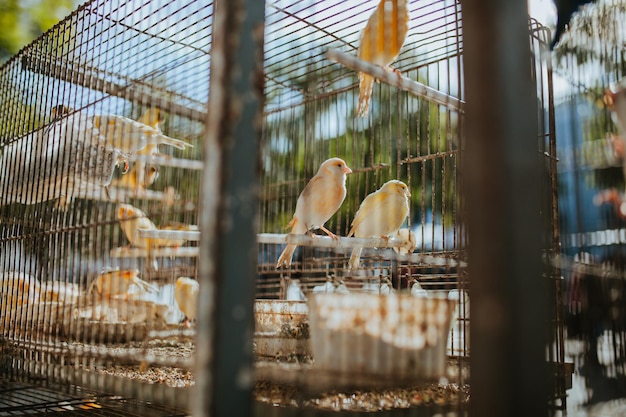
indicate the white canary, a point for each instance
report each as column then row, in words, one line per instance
column 318, row 201
column 380, row 215
column 186, row 295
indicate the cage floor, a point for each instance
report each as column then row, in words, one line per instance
column 25, row 398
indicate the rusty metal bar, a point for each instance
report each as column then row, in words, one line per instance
column 391, row 78
column 501, row 173
column 228, row 212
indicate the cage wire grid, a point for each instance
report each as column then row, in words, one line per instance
column 106, row 314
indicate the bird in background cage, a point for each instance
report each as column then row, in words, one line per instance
column 111, row 283
column 143, row 174
column 127, row 135
column 318, row 201
column 186, row 295
column 132, row 220
column 380, row 44
column 380, row 214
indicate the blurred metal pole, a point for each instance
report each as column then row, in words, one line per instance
column 501, row 174
column 228, row 212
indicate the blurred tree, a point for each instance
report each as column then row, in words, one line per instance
column 24, row 20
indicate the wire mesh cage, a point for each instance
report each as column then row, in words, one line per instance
column 102, row 123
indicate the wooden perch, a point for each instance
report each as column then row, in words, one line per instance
column 396, row 80
column 180, row 252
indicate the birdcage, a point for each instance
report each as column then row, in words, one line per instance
column 98, row 228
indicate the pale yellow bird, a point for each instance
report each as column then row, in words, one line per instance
column 380, row 44
column 133, row 219
column 380, row 214
column 139, row 178
column 115, row 282
column 131, row 136
column 318, row 201
column 186, row 295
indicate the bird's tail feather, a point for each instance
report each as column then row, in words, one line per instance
column 366, row 85
column 285, row 257
column 355, row 258
column 177, row 143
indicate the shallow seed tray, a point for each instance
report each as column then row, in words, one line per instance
column 397, row 336
column 281, row 328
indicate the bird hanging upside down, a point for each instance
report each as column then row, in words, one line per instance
column 380, row 44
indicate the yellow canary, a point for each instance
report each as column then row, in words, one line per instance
column 139, row 178
column 318, row 201
column 380, row 44
column 117, row 282
column 131, row 220
column 186, row 295
column 380, row 214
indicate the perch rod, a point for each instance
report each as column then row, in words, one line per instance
column 391, row 78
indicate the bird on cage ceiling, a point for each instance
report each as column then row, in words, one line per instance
column 318, row 201
column 186, row 295
column 380, row 214
column 380, row 44
column 565, row 10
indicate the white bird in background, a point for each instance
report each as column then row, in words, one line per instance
column 186, row 296
column 318, row 201
column 380, row 214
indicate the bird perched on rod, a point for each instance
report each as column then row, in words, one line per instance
column 186, row 296
column 318, row 201
column 380, row 44
column 133, row 219
column 380, row 214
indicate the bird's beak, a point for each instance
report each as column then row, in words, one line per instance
column 408, row 193
column 609, row 98
column 347, row 170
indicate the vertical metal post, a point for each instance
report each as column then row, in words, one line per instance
column 228, row 212
column 501, row 174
